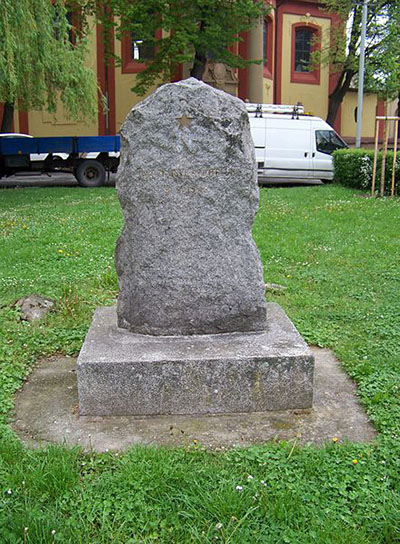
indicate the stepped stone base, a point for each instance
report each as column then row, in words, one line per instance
column 122, row 373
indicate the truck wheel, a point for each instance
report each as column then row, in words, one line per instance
column 90, row 173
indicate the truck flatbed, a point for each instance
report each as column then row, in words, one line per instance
column 65, row 144
column 87, row 157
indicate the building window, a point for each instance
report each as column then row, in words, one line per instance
column 267, row 47
column 136, row 52
column 71, row 26
column 302, row 52
column 140, row 50
column 304, row 42
column 265, row 42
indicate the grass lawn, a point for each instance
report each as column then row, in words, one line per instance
column 338, row 254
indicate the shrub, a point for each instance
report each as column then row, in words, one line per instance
column 353, row 167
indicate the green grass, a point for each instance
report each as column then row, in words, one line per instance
column 338, row 254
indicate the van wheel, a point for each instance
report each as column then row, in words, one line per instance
column 90, row 173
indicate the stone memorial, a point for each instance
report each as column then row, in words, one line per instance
column 186, row 259
column 191, row 332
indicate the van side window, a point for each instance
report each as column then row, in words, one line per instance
column 328, row 141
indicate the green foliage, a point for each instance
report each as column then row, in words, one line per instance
column 353, row 167
column 287, row 495
column 337, row 253
column 38, row 63
column 192, row 31
column 340, row 49
column 383, row 69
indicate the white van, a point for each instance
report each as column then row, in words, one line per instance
column 290, row 144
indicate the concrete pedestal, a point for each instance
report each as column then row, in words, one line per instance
column 122, row 373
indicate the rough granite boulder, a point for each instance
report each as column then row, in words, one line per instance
column 186, row 260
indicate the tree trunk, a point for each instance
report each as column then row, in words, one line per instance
column 335, row 100
column 200, row 59
column 8, row 114
column 337, row 96
column 199, row 66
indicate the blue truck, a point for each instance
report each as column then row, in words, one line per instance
column 89, row 158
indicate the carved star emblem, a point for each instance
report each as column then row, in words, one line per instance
column 184, row 120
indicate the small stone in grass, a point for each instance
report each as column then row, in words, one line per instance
column 34, row 307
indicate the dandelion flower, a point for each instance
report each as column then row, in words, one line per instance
column 354, row 461
column 335, row 439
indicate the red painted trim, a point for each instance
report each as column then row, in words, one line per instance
column 243, row 73
column 130, row 66
column 101, row 79
column 106, row 78
column 380, row 111
column 278, row 55
column 268, row 66
column 313, row 77
column 111, row 90
column 23, row 120
column 299, row 7
column 178, row 74
column 76, row 24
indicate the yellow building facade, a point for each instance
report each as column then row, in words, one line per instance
column 283, row 40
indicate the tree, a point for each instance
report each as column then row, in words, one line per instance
column 383, row 71
column 39, row 64
column 193, row 31
column 341, row 52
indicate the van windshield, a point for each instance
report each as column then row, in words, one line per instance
column 328, row 141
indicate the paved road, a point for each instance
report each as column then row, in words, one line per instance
column 61, row 179
column 56, row 179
